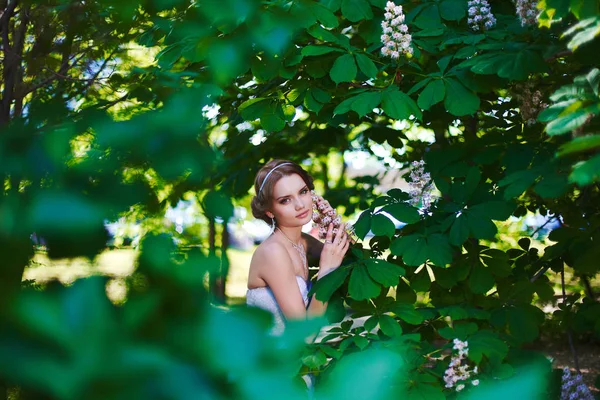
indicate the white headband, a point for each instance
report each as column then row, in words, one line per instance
column 267, row 177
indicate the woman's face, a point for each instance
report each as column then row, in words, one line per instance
column 292, row 201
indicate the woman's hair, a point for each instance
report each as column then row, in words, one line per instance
column 265, row 181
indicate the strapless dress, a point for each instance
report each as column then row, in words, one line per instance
column 264, row 298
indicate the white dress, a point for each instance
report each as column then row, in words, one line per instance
column 264, row 298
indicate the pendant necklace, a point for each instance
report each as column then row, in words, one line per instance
column 300, row 249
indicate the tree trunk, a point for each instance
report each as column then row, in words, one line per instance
column 222, row 282
column 212, row 250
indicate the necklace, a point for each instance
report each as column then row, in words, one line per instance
column 300, row 249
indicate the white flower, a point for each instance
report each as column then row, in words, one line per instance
column 475, row 382
column 460, row 387
column 527, row 11
column 395, row 33
column 480, row 14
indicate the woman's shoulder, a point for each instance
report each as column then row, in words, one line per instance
column 268, row 250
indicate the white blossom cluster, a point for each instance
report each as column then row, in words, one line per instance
column 531, row 102
column 527, row 11
column 458, row 374
column 573, row 387
column 480, row 15
column 421, row 185
column 322, row 219
column 396, row 39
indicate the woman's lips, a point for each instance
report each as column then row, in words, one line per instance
column 303, row 215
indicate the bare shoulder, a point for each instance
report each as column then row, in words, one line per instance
column 271, row 255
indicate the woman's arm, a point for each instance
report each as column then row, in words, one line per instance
column 332, row 254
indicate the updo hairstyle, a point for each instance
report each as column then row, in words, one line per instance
column 262, row 201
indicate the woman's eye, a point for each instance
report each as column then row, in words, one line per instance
column 304, row 191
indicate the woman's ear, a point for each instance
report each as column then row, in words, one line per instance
column 270, row 214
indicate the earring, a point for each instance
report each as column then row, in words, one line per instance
column 272, row 224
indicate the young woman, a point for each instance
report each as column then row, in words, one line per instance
column 278, row 278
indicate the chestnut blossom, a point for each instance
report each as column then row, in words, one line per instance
column 458, row 373
column 321, row 219
column 531, row 101
column 421, row 185
column 527, row 12
column 480, row 15
column 395, row 38
column 573, row 387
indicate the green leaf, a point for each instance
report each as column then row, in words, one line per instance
column 579, row 144
column 551, row 186
column 364, row 103
column 325, row 286
column 356, row 10
column 403, row 212
column 486, row 343
column 389, row 326
column 366, row 65
column 429, row 17
column 439, row 250
column 424, row 391
column 363, row 224
column 384, row 272
column 407, row 313
column 471, row 181
column 273, row 119
column 344, row 69
column 459, row 232
column 371, row 323
column 361, row 286
column 324, row 15
column 586, row 172
column 481, row 228
column 517, row 182
column 524, row 322
column 399, row 106
column 333, row 5
column 318, row 50
column 433, row 93
column 382, row 226
column 252, row 109
column 572, row 118
column 315, row 360
column 586, row 29
column 459, row 100
column 360, row 341
column 412, row 248
column 481, row 280
column 453, row 10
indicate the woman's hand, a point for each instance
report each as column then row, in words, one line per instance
column 334, row 249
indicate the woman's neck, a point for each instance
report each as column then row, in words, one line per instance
column 292, row 233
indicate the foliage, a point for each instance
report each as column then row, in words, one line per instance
column 303, row 80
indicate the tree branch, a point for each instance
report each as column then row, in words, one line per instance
column 20, row 33
column 9, row 61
